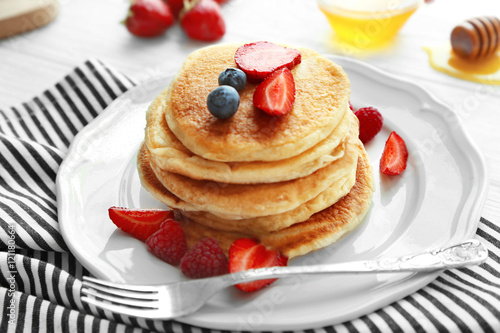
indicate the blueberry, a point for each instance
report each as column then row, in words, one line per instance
column 233, row 77
column 223, row 102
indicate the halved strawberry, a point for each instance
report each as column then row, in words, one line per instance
column 276, row 94
column 395, row 155
column 246, row 253
column 139, row 223
column 260, row 59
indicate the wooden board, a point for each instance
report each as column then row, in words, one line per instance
column 19, row 16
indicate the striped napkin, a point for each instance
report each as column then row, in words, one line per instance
column 40, row 280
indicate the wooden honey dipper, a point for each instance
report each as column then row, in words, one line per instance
column 476, row 38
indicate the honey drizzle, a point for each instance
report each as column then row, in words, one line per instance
column 486, row 70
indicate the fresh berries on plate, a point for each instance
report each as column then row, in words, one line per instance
column 139, row 223
column 149, row 18
column 260, row 59
column 276, row 94
column 233, row 77
column 370, row 123
column 395, row 155
column 202, row 20
column 246, row 253
column 223, row 102
column 204, row 259
column 168, row 243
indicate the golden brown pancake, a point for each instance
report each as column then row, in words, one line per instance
column 320, row 230
column 253, row 226
column 322, row 97
column 239, row 201
column 169, row 154
column 296, row 182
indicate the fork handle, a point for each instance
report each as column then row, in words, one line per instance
column 470, row 252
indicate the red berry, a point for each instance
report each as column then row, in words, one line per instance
column 139, row 223
column 395, row 156
column 175, row 6
column 246, row 253
column 370, row 123
column 202, row 20
column 205, row 259
column 149, row 18
column 168, row 243
column 276, row 94
column 260, row 59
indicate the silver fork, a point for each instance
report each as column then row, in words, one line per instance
column 181, row 298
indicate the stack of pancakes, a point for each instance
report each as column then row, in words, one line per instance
column 296, row 182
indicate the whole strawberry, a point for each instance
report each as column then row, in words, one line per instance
column 370, row 123
column 205, row 259
column 168, row 243
column 176, row 7
column 149, row 18
column 202, row 20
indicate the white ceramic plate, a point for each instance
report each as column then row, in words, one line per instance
column 435, row 202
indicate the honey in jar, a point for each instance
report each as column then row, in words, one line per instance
column 367, row 23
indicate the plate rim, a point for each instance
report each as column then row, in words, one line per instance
column 474, row 157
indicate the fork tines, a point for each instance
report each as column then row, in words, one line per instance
column 126, row 299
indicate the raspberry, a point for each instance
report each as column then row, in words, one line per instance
column 205, row 259
column 370, row 123
column 168, row 243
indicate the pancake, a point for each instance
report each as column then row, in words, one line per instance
column 296, row 182
column 253, row 226
column 258, row 225
column 320, row 230
column 171, row 155
column 239, row 201
column 321, row 99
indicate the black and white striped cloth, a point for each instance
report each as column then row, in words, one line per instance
column 40, row 280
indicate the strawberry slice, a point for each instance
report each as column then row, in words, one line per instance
column 395, row 155
column 260, row 59
column 276, row 94
column 246, row 253
column 139, row 223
